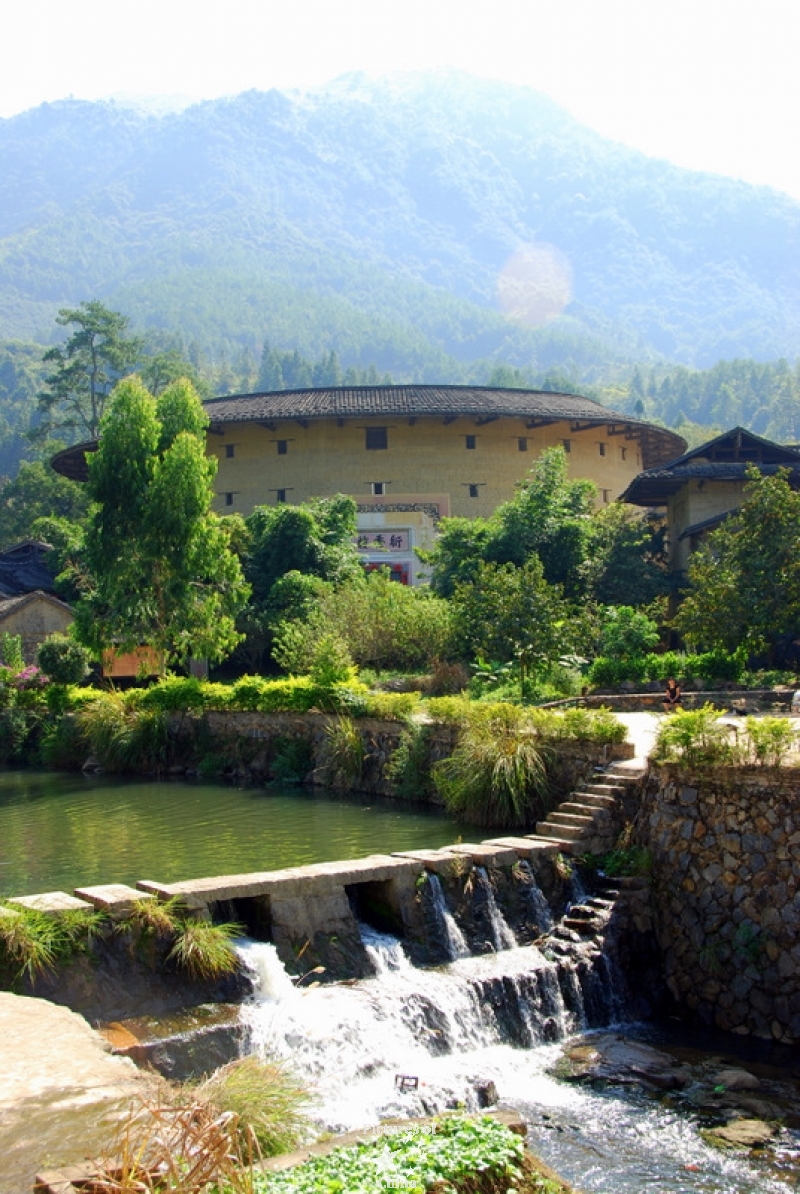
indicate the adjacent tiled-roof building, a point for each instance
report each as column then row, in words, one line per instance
column 702, row 487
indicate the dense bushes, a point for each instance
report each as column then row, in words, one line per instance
column 713, row 666
column 701, row 739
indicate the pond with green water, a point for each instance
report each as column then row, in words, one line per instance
column 58, row 831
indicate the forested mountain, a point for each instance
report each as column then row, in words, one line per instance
column 373, row 219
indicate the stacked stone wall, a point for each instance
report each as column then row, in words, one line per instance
column 726, row 869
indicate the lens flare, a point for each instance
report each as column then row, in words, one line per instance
column 535, row 284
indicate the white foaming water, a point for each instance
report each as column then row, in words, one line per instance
column 537, row 903
column 502, row 933
column 456, row 943
column 352, row 1041
column 478, row 1020
column 267, row 971
column 384, row 951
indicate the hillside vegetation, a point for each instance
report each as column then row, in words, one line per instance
column 374, row 218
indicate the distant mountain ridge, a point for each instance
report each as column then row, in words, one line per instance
column 373, row 217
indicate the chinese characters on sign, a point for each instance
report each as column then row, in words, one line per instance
column 382, row 541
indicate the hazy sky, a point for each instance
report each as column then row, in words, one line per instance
column 709, row 84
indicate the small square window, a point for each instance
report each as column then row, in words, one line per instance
column 606, row 496
column 229, row 451
column 280, row 495
column 228, row 499
column 471, row 442
column 283, row 446
column 376, row 438
column 601, row 449
column 567, row 445
column 377, row 488
column 473, row 491
column 522, row 443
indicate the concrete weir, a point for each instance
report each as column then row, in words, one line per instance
column 312, row 913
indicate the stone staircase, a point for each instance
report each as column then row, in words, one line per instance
column 590, row 819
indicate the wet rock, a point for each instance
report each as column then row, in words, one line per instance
column 614, row 1059
column 741, row 1133
column 736, row 1079
column 486, row 1092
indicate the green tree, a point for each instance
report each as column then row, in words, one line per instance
column 548, row 517
column 158, row 562
column 38, row 492
column 744, row 583
column 511, row 614
column 85, row 369
column 627, row 560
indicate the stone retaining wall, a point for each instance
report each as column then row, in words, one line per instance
column 248, row 742
column 726, row 865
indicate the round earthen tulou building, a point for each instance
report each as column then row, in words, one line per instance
column 410, row 454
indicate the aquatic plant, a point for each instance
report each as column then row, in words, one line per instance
column 456, row 1153
column 205, row 950
column 33, row 941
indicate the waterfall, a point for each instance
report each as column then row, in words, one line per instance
column 267, row 972
column 454, row 1028
column 444, row 926
column 384, row 951
column 501, row 934
column 577, row 891
column 535, row 898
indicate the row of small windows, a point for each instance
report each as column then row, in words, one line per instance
column 377, row 439
column 379, row 489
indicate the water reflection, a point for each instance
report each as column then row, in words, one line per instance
column 64, row 831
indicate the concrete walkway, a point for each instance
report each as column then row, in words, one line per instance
column 642, row 732
column 62, row 1093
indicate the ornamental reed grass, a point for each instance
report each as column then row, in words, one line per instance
column 267, row 1100
column 497, row 774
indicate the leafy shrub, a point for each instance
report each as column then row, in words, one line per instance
column 63, row 745
column 63, row 660
column 584, row 725
column 331, row 662
column 771, row 740
column 18, row 733
column 391, row 706
column 267, row 1100
column 11, row 651
column 605, row 672
column 697, row 738
column 497, row 774
column 175, row 694
column 448, row 710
